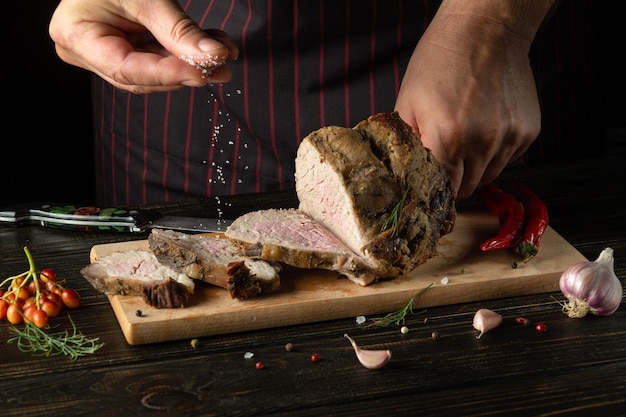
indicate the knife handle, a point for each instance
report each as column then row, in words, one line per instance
column 85, row 218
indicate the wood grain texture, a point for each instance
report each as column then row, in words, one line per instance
column 312, row 295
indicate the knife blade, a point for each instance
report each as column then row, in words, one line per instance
column 89, row 218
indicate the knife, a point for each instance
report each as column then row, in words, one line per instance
column 108, row 219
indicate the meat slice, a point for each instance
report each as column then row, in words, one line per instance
column 214, row 259
column 293, row 238
column 139, row 272
column 378, row 190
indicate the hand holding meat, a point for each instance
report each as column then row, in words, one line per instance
column 144, row 46
column 469, row 89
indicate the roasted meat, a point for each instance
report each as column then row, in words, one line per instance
column 138, row 272
column 214, row 259
column 374, row 188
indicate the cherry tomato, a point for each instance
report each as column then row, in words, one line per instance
column 29, row 302
column 52, row 286
column 71, row 298
column 14, row 314
column 47, row 274
column 28, row 310
column 51, row 308
column 15, row 284
column 23, row 293
column 56, row 299
column 4, row 305
column 39, row 318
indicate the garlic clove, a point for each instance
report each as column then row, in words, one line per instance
column 485, row 320
column 371, row 359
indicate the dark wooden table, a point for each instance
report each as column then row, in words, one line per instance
column 577, row 367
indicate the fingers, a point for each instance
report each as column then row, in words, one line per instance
column 471, row 163
column 141, row 46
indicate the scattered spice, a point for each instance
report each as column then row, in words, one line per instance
column 259, row 365
column 138, row 313
column 289, row 347
column 514, row 265
column 541, row 327
column 195, row 343
column 522, row 320
column 434, row 335
column 316, row 357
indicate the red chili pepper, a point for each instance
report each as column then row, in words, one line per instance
column 510, row 213
column 536, row 220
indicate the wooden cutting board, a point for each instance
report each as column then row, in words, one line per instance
column 313, row 295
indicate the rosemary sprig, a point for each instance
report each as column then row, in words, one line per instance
column 392, row 220
column 34, row 340
column 398, row 317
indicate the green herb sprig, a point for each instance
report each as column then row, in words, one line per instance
column 398, row 317
column 392, row 220
column 35, row 340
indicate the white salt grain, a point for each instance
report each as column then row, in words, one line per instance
column 444, row 280
column 360, row 320
column 248, row 355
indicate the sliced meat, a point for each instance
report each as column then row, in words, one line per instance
column 214, row 259
column 291, row 237
column 139, row 273
column 378, row 190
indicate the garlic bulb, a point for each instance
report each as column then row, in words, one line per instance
column 591, row 287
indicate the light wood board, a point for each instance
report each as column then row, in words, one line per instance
column 312, row 295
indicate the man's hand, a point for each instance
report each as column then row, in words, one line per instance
column 469, row 91
column 141, row 46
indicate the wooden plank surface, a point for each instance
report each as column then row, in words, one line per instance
column 312, row 295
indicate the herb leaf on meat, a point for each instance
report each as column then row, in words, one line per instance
column 392, row 220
